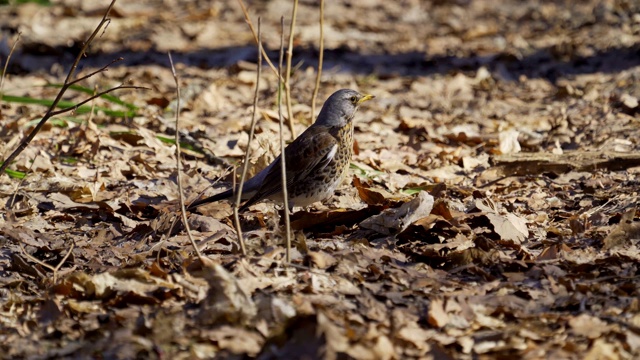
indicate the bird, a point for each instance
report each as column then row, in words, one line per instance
column 316, row 161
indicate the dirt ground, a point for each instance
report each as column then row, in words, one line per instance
column 490, row 210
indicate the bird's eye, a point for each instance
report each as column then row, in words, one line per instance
column 353, row 99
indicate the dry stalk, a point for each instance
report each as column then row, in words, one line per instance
column 245, row 165
column 183, row 210
column 287, row 75
column 308, row 269
column 320, row 62
column 42, row 263
column 93, row 107
column 65, row 86
column 283, row 167
column 6, row 63
column 19, row 184
column 266, row 58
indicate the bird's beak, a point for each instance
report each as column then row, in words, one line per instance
column 365, row 97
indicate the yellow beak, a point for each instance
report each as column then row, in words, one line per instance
column 364, row 98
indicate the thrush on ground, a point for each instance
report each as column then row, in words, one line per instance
column 316, row 161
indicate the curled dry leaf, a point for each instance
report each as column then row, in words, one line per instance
column 393, row 221
column 330, row 221
column 417, row 336
column 321, row 259
column 437, row 315
column 629, row 102
column 282, row 310
column 368, row 195
column 588, row 326
column 626, row 230
column 226, row 300
column 233, row 339
column 509, row 142
column 135, row 284
column 510, row 227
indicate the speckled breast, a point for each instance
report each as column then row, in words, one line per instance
column 323, row 184
column 345, row 149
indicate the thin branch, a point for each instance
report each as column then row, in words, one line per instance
column 19, row 184
column 183, row 210
column 34, row 259
column 105, row 20
column 64, row 259
column 320, row 62
column 93, row 109
column 65, row 86
column 266, row 57
column 283, row 166
column 6, row 63
column 289, row 264
column 102, row 69
column 245, row 165
column 255, row 38
column 74, row 107
column 44, row 264
column 288, row 71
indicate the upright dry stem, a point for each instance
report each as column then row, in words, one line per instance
column 245, row 165
column 287, row 75
column 247, row 18
column 266, row 57
column 283, row 167
column 320, row 62
column 6, row 64
column 183, row 210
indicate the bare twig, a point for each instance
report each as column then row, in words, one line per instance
column 65, row 86
column 44, row 264
column 64, row 259
column 266, row 57
column 19, row 184
column 183, row 210
column 255, row 37
column 74, row 107
column 102, row 69
column 283, row 167
column 35, row 260
column 93, row 108
column 6, row 63
column 289, row 264
column 288, row 70
column 320, row 62
column 245, row 165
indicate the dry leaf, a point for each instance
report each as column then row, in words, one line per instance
column 510, row 227
column 393, row 221
column 226, row 300
column 626, row 231
column 437, row 316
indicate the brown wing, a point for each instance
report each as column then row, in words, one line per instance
column 308, row 153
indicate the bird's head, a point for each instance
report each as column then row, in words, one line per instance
column 340, row 107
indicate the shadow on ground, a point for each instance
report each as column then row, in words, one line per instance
column 547, row 63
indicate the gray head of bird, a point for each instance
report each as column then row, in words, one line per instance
column 340, row 107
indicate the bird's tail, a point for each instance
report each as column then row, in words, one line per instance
column 225, row 195
column 217, row 197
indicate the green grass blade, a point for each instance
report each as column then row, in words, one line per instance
column 84, row 109
column 111, row 98
column 15, row 174
column 61, row 123
column 172, row 141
